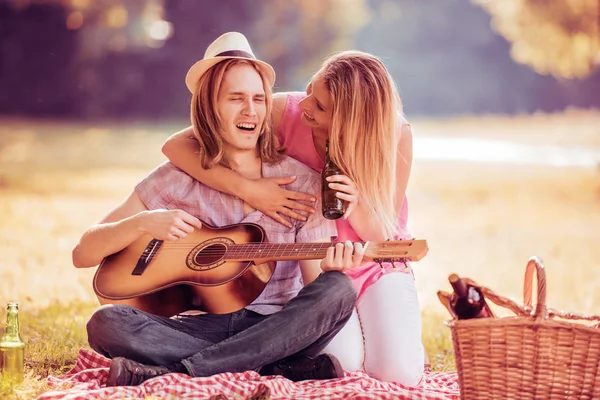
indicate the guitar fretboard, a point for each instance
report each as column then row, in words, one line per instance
column 281, row 251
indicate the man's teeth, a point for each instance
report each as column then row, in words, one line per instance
column 247, row 126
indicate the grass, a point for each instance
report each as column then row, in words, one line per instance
column 481, row 221
column 53, row 336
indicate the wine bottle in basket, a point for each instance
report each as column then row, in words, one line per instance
column 467, row 300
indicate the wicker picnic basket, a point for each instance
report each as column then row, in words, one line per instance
column 528, row 356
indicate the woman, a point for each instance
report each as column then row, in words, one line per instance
column 353, row 102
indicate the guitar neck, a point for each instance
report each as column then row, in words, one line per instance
column 276, row 251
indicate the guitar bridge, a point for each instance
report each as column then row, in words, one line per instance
column 147, row 256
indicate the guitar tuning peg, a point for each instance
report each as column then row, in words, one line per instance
column 380, row 261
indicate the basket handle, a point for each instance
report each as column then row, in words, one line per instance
column 541, row 310
column 535, row 265
column 504, row 302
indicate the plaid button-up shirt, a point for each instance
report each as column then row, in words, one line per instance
column 168, row 187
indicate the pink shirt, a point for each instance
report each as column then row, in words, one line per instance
column 168, row 187
column 297, row 139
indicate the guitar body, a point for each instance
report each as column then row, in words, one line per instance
column 217, row 270
column 166, row 278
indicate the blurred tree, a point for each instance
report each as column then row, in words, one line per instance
column 291, row 35
column 558, row 37
column 128, row 58
column 296, row 35
column 445, row 58
column 37, row 75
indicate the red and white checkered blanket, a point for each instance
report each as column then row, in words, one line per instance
column 86, row 380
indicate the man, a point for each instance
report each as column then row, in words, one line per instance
column 285, row 328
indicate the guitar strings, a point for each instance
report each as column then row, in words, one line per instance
column 245, row 247
column 254, row 244
column 321, row 252
column 258, row 247
column 262, row 244
column 248, row 248
column 230, row 251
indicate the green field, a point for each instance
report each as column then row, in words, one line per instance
column 481, row 220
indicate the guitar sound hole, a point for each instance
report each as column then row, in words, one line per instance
column 210, row 255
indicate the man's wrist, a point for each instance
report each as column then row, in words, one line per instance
column 139, row 221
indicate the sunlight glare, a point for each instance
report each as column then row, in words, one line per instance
column 160, row 30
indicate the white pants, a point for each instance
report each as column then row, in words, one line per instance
column 383, row 336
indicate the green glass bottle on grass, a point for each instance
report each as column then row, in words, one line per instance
column 12, row 347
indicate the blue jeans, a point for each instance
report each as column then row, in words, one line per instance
column 244, row 340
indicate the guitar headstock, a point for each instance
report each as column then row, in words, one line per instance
column 397, row 250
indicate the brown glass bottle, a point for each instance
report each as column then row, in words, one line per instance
column 467, row 301
column 333, row 207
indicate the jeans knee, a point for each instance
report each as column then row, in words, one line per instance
column 108, row 315
column 341, row 291
column 104, row 324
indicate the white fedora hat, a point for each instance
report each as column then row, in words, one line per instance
column 229, row 45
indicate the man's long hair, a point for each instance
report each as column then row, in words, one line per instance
column 364, row 131
column 207, row 122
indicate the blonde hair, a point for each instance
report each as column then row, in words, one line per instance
column 207, row 122
column 363, row 139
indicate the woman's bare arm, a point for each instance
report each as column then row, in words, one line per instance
column 182, row 150
column 127, row 223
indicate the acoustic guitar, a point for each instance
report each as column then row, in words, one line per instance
column 217, row 270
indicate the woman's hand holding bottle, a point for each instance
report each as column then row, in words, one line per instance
column 346, row 190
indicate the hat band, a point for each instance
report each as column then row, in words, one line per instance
column 236, row 53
